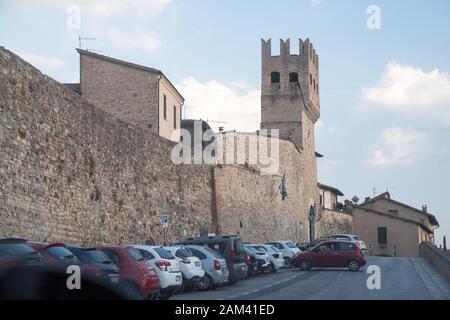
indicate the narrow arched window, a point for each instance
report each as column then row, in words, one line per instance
column 310, row 79
column 275, row 77
column 293, row 77
column 314, row 86
column 174, row 117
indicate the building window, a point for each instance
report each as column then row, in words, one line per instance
column 382, row 235
column 275, row 77
column 310, row 79
column 314, row 85
column 174, row 117
column 165, row 107
column 293, row 77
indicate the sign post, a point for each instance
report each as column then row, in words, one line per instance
column 165, row 225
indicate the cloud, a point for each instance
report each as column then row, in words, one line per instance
column 316, row 2
column 143, row 39
column 412, row 92
column 323, row 127
column 218, row 102
column 102, row 9
column 41, row 62
column 398, row 146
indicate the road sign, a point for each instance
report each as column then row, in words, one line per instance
column 355, row 199
column 165, row 221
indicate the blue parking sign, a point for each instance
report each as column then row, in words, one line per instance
column 165, row 221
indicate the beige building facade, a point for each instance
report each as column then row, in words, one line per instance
column 391, row 228
column 138, row 95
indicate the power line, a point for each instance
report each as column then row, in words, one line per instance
column 384, row 87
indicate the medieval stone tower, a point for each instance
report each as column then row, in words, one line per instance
column 290, row 92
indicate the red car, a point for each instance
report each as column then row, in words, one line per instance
column 331, row 254
column 55, row 254
column 138, row 281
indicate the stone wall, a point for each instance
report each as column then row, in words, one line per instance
column 71, row 172
column 334, row 222
column 129, row 93
column 250, row 204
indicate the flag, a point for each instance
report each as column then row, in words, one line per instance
column 283, row 189
column 320, row 214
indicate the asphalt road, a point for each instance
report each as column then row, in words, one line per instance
column 401, row 278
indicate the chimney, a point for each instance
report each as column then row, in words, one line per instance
column 424, row 208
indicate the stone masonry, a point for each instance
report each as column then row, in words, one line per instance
column 72, row 172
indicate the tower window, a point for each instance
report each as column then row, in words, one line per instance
column 165, row 107
column 293, row 77
column 314, row 84
column 310, row 79
column 275, row 77
column 174, row 117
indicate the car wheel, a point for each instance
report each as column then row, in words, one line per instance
column 131, row 292
column 304, row 265
column 271, row 268
column 353, row 265
column 206, row 283
column 287, row 262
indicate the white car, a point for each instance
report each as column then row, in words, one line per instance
column 288, row 248
column 275, row 256
column 190, row 266
column 166, row 266
column 353, row 238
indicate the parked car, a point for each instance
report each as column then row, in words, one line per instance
column 215, row 266
column 262, row 258
column 275, row 256
column 96, row 263
column 230, row 247
column 332, row 254
column 16, row 252
column 353, row 238
column 55, row 254
column 287, row 248
column 190, row 267
column 166, row 266
column 137, row 280
column 251, row 262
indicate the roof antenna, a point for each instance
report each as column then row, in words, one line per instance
column 81, row 38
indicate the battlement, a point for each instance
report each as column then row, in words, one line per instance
column 306, row 50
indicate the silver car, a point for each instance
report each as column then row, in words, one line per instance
column 215, row 266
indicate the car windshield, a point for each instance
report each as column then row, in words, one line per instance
column 135, row 255
column 163, row 253
column 62, row 253
column 183, row 253
column 291, row 245
column 214, row 253
column 356, row 238
column 98, row 256
column 260, row 248
column 275, row 249
column 11, row 251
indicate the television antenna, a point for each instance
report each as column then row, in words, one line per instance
column 80, row 39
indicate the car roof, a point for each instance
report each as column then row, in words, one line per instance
column 75, row 246
column 12, row 241
column 45, row 245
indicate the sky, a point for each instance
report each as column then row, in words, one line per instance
column 384, row 74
